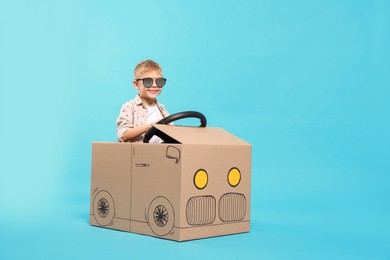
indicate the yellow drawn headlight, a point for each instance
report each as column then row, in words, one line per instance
column 200, row 179
column 234, row 177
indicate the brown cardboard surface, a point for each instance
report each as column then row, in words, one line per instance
column 110, row 185
column 200, row 135
column 174, row 191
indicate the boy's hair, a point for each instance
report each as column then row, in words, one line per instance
column 146, row 66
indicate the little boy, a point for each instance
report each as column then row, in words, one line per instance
column 137, row 115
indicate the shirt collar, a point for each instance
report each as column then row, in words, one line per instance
column 139, row 102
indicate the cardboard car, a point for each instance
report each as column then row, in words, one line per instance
column 196, row 184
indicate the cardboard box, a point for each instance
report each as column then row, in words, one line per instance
column 194, row 188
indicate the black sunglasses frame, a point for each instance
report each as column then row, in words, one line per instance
column 160, row 85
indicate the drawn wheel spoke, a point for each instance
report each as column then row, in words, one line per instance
column 103, row 208
column 160, row 216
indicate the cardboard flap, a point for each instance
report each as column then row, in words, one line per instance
column 200, row 135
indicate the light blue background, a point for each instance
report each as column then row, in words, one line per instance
column 305, row 82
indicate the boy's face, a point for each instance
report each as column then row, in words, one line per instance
column 148, row 95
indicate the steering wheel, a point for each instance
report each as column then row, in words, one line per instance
column 169, row 119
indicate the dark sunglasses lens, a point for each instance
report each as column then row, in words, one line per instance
column 148, row 82
column 160, row 82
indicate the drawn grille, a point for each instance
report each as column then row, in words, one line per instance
column 232, row 207
column 201, row 210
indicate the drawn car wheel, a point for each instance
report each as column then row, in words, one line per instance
column 103, row 208
column 161, row 216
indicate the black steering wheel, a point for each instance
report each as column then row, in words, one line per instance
column 169, row 119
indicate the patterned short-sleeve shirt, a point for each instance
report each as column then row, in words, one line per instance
column 133, row 114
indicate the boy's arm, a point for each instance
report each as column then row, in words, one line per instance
column 125, row 120
column 134, row 132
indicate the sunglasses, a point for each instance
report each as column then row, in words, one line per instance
column 148, row 82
